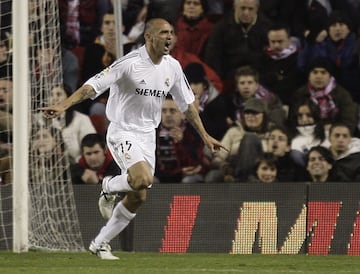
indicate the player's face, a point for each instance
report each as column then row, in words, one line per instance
column 278, row 40
column 304, row 116
column 317, row 165
column 278, row 143
column 170, row 115
column 266, row 173
column 94, row 156
column 247, row 86
column 245, row 10
column 57, row 94
column 340, row 138
column 161, row 39
column 6, row 95
column 192, row 9
column 319, row 78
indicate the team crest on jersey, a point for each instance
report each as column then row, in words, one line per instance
column 102, row 73
column 127, row 156
column 167, row 82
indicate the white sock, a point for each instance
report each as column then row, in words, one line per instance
column 119, row 220
column 119, row 184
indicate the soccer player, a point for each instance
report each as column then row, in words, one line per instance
column 139, row 83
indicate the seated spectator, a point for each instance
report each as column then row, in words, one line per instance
column 247, row 131
column 5, row 55
column 346, row 152
column 335, row 102
column 308, row 130
column 97, row 56
column 47, row 149
column 6, row 126
column 320, row 165
column 180, row 151
column 70, row 68
column 237, row 39
column 185, row 58
column 78, row 21
column 341, row 46
column 95, row 163
column 278, row 67
column 73, row 124
column 279, row 141
column 265, row 170
column 247, row 86
column 192, row 27
column 212, row 105
column 314, row 20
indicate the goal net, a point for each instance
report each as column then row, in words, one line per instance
column 53, row 221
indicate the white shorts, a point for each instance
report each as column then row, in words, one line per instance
column 129, row 148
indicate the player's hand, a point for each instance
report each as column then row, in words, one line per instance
column 51, row 111
column 214, row 145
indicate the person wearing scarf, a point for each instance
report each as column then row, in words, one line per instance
column 334, row 101
column 278, row 70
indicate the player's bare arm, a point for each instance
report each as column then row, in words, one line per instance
column 81, row 94
column 192, row 115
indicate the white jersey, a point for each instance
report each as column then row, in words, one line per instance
column 138, row 88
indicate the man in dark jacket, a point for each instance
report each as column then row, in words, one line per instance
column 238, row 39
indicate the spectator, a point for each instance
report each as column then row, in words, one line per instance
column 78, row 21
column 168, row 10
column 249, row 133
column 320, row 165
column 5, row 55
column 47, row 148
column 315, row 20
column 279, row 141
column 237, row 39
column 247, row 86
column 289, row 12
column 97, row 56
column 346, row 152
column 95, row 163
column 212, row 105
column 307, row 129
column 335, row 103
column 278, row 66
column 180, row 156
column 265, row 170
column 73, row 124
column 341, row 46
column 185, row 58
column 70, row 68
column 6, row 97
column 193, row 27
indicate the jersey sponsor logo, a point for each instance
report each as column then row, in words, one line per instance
column 150, row 92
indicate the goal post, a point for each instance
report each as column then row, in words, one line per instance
column 20, row 30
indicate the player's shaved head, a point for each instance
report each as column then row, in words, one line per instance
column 153, row 24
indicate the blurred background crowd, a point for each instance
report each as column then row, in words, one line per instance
column 277, row 81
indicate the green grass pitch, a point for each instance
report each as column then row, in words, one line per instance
column 160, row 263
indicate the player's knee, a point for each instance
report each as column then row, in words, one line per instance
column 141, row 181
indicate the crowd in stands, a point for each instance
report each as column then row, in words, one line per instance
column 278, row 82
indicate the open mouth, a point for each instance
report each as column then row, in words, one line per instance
column 167, row 45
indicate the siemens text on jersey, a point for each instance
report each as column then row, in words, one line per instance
column 151, row 92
